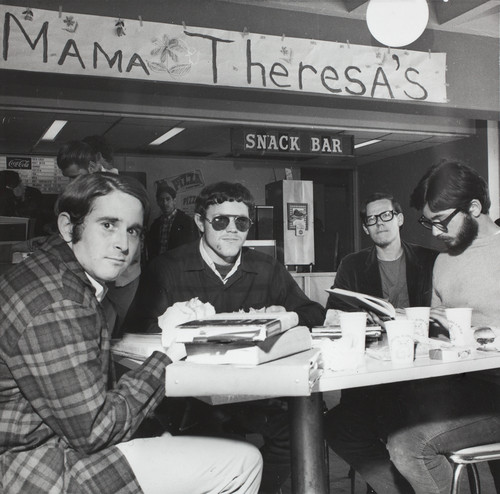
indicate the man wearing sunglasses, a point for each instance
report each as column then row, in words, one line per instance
column 401, row 273
column 217, row 269
column 457, row 411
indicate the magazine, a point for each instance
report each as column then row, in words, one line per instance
column 362, row 301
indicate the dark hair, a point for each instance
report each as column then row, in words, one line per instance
column 450, row 184
column 9, row 178
column 78, row 197
column 163, row 187
column 99, row 144
column 377, row 196
column 75, row 152
column 220, row 192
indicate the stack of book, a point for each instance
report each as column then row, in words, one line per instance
column 243, row 339
column 232, row 338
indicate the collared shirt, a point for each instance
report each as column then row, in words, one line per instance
column 100, row 290
column 211, row 264
column 59, row 420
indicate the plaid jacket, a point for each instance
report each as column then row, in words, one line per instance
column 59, row 420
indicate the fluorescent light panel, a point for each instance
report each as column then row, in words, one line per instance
column 53, row 130
column 367, row 143
column 168, row 135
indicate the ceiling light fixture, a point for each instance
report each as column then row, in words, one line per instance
column 396, row 23
column 52, row 132
column 366, row 143
column 168, row 135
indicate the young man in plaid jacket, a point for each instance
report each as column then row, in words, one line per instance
column 65, row 427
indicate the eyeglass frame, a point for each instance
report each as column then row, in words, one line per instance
column 235, row 217
column 377, row 216
column 441, row 225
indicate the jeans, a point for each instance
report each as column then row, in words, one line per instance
column 357, row 428
column 447, row 414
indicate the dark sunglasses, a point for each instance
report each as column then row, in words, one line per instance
column 440, row 225
column 221, row 222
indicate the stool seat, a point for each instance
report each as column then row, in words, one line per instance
column 476, row 454
column 468, row 457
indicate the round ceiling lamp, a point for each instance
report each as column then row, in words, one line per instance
column 397, row 23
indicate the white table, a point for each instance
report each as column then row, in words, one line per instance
column 309, row 475
column 308, row 467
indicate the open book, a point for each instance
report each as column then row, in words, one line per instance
column 292, row 341
column 362, row 301
column 236, row 326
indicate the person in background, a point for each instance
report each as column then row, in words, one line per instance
column 400, row 272
column 65, row 425
column 103, row 152
column 458, row 411
column 77, row 158
column 217, row 269
column 172, row 228
column 18, row 199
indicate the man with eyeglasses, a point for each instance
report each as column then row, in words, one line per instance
column 217, row 269
column 457, row 411
column 400, row 272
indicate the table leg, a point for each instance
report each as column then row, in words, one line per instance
column 309, row 475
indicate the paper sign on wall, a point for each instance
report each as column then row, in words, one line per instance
column 97, row 46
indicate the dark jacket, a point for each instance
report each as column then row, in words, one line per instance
column 181, row 274
column 183, row 231
column 360, row 272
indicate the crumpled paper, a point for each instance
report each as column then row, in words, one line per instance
column 176, row 314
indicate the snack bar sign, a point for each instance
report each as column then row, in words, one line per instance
column 251, row 142
column 72, row 43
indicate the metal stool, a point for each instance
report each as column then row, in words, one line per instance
column 468, row 457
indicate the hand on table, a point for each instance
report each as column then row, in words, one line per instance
column 438, row 316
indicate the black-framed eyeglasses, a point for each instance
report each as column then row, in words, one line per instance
column 440, row 225
column 385, row 216
column 219, row 223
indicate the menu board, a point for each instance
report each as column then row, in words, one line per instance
column 36, row 171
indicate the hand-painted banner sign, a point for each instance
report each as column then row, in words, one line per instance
column 45, row 41
column 272, row 142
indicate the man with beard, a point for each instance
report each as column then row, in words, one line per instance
column 458, row 411
column 400, row 272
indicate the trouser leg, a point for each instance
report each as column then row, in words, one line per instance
column 448, row 414
column 269, row 418
column 196, row 465
column 357, row 440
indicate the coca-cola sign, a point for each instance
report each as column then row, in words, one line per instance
column 16, row 163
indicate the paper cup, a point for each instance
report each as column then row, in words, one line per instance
column 420, row 318
column 353, row 328
column 459, row 326
column 401, row 341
